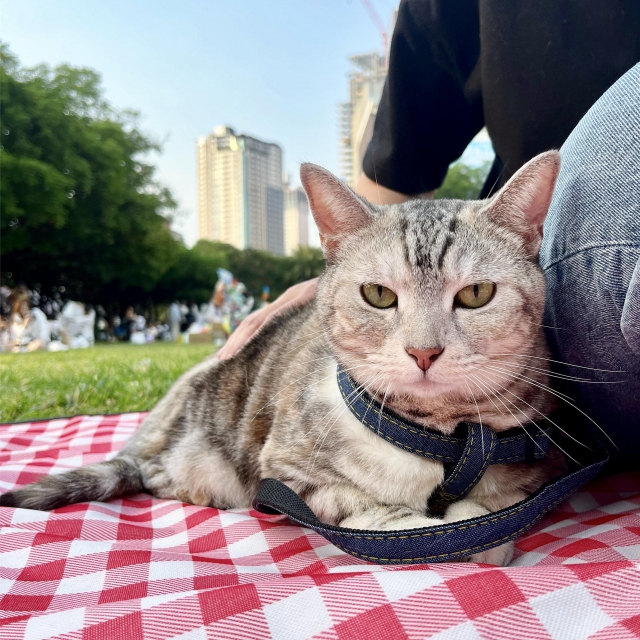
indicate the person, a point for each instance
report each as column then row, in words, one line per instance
column 187, row 320
column 591, row 241
column 126, row 327
column 174, row 320
column 590, row 255
column 264, row 298
column 29, row 329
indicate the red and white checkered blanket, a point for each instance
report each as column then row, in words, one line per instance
column 147, row 568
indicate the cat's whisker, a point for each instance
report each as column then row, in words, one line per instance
column 317, row 334
column 306, row 362
column 539, row 412
column 560, row 376
column 331, row 375
column 488, row 396
column 382, row 406
column 347, row 405
column 335, row 408
column 359, row 391
column 578, row 366
column 497, row 393
column 322, row 334
column 264, row 406
column 531, row 380
column 370, row 403
column 538, row 427
column 306, row 433
column 562, row 397
column 479, row 416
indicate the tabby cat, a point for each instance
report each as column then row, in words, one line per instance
column 432, row 307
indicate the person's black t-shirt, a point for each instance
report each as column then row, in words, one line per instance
column 528, row 69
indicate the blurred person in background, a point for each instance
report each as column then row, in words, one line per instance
column 187, row 320
column 28, row 327
column 175, row 316
column 126, row 326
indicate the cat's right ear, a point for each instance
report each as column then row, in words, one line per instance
column 338, row 212
column 522, row 204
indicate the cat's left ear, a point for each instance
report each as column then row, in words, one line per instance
column 522, row 204
column 338, row 211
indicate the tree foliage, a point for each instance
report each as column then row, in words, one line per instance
column 463, row 182
column 80, row 206
column 193, row 274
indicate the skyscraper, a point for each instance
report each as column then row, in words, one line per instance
column 296, row 220
column 357, row 115
column 240, row 191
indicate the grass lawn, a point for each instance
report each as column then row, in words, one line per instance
column 103, row 379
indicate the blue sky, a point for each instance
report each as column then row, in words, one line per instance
column 274, row 69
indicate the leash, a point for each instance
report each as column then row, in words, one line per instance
column 465, row 458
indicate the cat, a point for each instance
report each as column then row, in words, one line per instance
column 432, row 306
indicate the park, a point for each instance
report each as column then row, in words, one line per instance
column 319, row 320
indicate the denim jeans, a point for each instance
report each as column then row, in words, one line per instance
column 591, row 258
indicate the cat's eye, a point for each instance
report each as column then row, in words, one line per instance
column 476, row 295
column 378, row 296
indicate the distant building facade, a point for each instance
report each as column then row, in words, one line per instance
column 357, row 115
column 240, row 191
column 296, row 220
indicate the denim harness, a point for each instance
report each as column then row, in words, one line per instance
column 465, row 459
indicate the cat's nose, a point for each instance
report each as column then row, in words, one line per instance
column 424, row 357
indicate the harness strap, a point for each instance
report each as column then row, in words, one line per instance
column 442, row 543
column 465, row 460
column 514, row 445
column 476, row 457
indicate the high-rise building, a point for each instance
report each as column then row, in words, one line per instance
column 296, row 220
column 357, row 115
column 240, row 191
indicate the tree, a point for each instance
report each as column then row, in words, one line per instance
column 463, row 182
column 194, row 273
column 80, row 207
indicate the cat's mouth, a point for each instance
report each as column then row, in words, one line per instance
column 430, row 385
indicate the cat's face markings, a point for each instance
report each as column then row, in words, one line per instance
column 426, row 253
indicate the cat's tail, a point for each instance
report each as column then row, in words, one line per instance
column 102, row 481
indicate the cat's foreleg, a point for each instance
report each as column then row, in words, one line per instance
column 348, row 506
column 389, row 518
column 466, row 509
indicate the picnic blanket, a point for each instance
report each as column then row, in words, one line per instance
column 146, row 568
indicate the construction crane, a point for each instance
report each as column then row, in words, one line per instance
column 373, row 14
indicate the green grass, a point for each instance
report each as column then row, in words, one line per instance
column 103, row 379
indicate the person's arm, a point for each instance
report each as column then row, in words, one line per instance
column 377, row 194
column 431, row 104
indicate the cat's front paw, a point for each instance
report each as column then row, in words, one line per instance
column 499, row 556
column 389, row 519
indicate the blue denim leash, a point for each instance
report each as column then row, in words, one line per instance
column 465, row 459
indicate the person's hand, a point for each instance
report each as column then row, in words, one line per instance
column 292, row 297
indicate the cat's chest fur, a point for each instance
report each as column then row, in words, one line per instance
column 338, row 446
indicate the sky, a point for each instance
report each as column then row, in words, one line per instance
column 274, row 69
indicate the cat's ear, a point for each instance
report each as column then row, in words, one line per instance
column 522, row 204
column 338, row 212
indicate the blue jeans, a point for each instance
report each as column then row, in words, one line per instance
column 591, row 258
